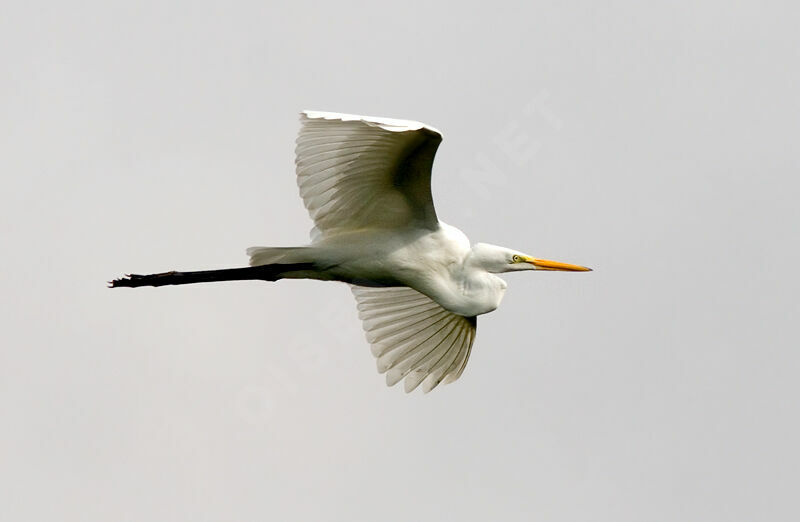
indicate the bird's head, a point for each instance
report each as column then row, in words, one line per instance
column 497, row 259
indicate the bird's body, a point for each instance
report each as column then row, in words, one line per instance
column 419, row 283
column 438, row 263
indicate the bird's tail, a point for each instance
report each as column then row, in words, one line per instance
column 289, row 262
column 260, row 256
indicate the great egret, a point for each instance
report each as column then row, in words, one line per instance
column 418, row 283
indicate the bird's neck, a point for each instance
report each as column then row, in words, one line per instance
column 481, row 289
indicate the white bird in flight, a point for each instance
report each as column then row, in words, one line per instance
column 418, row 282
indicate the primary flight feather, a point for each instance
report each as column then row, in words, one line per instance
column 418, row 282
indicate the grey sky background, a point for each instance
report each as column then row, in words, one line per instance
column 656, row 144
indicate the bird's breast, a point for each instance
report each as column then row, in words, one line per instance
column 482, row 293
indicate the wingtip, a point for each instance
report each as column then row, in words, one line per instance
column 389, row 124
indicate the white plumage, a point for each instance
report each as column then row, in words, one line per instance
column 418, row 282
column 413, row 337
column 351, row 174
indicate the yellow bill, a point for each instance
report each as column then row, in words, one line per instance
column 546, row 264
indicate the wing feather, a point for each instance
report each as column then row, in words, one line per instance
column 357, row 172
column 433, row 360
column 413, row 337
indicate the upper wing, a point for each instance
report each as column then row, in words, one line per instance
column 360, row 172
column 413, row 337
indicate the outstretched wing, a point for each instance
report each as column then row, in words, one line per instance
column 413, row 337
column 358, row 172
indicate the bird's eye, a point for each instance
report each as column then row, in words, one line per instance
column 515, row 259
